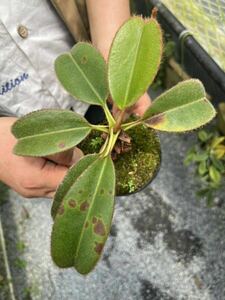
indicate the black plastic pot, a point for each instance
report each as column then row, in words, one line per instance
column 95, row 115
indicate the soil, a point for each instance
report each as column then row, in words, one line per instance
column 136, row 168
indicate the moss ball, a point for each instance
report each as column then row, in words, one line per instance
column 136, row 168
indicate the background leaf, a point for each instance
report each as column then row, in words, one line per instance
column 82, row 72
column 203, row 136
column 83, row 220
column 202, row 168
column 182, row 108
column 214, row 175
column 134, row 60
column 48, row 132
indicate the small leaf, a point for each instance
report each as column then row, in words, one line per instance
column 203, row 136
column 83, row 219
column 220, row 151
column 217, row 141
column 83, row 73
column 189, row 158
column 202, row 169
column 201, row 156
column 214, row 175
column 182, row 108
column 218, row 164
column 48, row 132
column 134, row 60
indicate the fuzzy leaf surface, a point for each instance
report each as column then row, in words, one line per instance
column 83, row 219
column 69, row 180
column 182, row 108
column 48, row 132
column 134, row 60
column 82, row 72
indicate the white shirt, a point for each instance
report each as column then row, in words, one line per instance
column 27, row 78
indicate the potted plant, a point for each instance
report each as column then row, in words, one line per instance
column 83, row 205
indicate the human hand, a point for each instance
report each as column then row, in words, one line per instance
column 28, row 176
column 141, row 105
column 137, row 109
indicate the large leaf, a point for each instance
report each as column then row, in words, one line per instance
column 134, row 60
column 48, row 132
column 83, row 219
column 182, row 108
column 82, row 72
column 69, row 180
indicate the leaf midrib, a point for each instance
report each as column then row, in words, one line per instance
column 89, row 83
column 53, row 132
column 181, row 84
column 132, row 70
column 177, row 108
column 90, row 209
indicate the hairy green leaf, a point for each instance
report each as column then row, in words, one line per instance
column 182, row 108
column 83, row 73
column 48, row 132
column 83, row 219
column 69, row 180
column 134, row 60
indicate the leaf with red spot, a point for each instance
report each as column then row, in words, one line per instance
column 72, row 175
column 47, row 132
column 83, row 73
column 80, row 232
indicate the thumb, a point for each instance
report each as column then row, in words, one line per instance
column 77, row 155
column 142, row 105
column 63, row 158
column 67, row 158
column 52, row 175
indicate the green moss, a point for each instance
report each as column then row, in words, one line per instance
column 137, row 167
column 92, row 143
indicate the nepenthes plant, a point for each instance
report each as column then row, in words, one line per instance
column 83, row 205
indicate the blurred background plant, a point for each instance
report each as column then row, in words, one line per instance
column 208, row 156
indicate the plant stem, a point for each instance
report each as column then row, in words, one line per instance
column 127, row 126
column 105, row 145
column 103, row 128
column 111, row 142
column 119, row 121
column 109, row 116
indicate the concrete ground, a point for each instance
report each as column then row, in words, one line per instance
column 165, row 244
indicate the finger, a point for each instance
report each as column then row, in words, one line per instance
column 142, row 105
column 35, row 193
column 50, row 195
column 77, row 155
column 52, row 175
column 63, row 158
